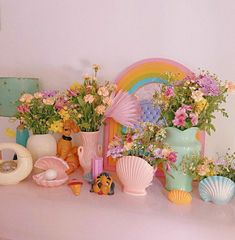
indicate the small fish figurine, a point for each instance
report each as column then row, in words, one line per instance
column 103, row 184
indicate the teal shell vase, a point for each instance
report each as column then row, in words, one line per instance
column 184, row 143
column 11, row 88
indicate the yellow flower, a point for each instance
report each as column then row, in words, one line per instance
column 56, row 126
column 79, row 115
column 199, row 106
column 75, row 86
column 64, row 114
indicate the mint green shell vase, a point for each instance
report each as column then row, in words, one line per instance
column 184, row 143
column 11, row 88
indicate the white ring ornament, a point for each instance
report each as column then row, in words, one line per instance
column 24, row 164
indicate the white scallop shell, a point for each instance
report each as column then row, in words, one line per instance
column 219, row 190
column 50, row 162
column 135, row 174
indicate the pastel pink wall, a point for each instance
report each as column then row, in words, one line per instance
column 57, row 40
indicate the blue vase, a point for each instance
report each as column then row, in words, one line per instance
column 184, row 143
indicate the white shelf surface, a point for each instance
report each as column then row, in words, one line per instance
column 30, row 212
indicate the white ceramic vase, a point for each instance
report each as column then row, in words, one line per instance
column 41, row 145
column 135, row 174
column 89, row 150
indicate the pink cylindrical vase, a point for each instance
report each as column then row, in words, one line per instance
column 97, row 167
column 135, row 174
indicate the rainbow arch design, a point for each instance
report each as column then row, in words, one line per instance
column 133, row 77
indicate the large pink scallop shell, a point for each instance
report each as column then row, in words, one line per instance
column 50, row 162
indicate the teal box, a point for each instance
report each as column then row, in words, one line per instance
column 11, row 88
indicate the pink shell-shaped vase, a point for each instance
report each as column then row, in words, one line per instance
column 135, row 174
column 50, row 162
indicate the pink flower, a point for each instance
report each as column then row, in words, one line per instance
column 169, row 92
column 180, row 116
column 181, row 112
column 100, row 109
column 38, row 95
column 60, row 103
column 48, row 101
column 172, row 157
column 194, row 118
column 23, row 108
column 187, row 107
column 72, row 93
column 89, row 98
column 179, row 121
column 26, row 98
column 103, row 91
column 107, row 100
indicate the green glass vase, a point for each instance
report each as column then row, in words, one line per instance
column 184, row 143
column 11, row 88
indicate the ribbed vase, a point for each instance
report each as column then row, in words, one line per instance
column 185, row 143
column 89, row 150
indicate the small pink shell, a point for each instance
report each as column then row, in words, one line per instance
column 50, row 162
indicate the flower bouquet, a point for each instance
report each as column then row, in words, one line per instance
column 139, row 151
column 216, row 176
column 201, row 167
column 187, row 106
column 40, row 114
column 191, row 102
column 89, row 101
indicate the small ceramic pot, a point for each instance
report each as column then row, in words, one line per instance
column 41, row 145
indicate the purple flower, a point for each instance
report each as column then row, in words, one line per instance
column 158, row 153
column 208, row 86
column 115, row 152
column 48, row 93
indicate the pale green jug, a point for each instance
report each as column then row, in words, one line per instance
column 184, row 143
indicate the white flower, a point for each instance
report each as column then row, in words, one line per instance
column 197, row 96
